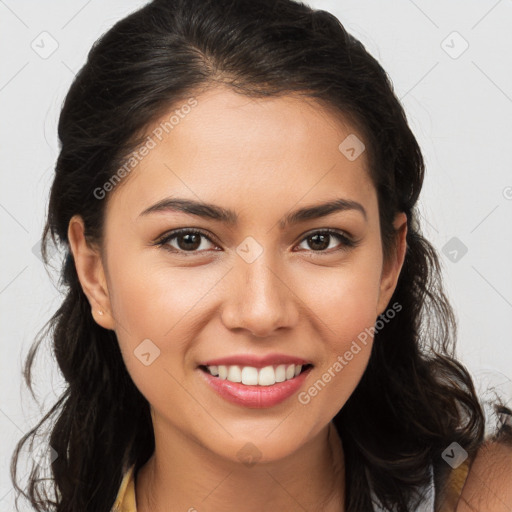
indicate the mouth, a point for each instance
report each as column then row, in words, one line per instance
column 256, row 387
column 253, row 376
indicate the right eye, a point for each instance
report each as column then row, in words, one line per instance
column 188, row 241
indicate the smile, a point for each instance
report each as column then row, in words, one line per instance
column 257, row 388
column 252, row 376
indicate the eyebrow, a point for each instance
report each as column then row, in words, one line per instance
column 227, row 216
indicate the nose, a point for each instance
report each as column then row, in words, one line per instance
column 260, row 299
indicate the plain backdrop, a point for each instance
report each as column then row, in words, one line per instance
column 451, row 67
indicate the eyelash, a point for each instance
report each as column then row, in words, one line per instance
column 347, row 243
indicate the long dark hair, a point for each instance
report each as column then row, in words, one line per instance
column 414, row 399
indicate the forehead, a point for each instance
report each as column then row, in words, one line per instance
column 227, row 147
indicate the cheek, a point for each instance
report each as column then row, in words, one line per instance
column 157, row 310
column 152, row 301
column 344, row 302
column 347, row 338
column 151, row 333
column 326, row 394
column 344, row 299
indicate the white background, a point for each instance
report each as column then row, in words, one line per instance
column 459, row 108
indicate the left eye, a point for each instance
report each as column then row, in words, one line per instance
column 189, row 240
column 320, row 237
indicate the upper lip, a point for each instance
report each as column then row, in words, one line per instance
column 255, row 361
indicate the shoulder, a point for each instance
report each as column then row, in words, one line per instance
column 489, row 482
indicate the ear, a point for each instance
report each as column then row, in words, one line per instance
column 391, row 268
column 89, row 268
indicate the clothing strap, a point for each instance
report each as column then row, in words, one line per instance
column 454, row 486
column 125, row 500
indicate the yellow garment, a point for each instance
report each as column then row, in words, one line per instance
column 125, row 501
column 456, row 481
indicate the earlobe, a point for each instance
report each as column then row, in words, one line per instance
column 391, row 269
column 90, row 271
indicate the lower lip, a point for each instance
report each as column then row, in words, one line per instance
column 256, row 397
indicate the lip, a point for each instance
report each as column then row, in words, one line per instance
column 255, row 397
column 255, row 361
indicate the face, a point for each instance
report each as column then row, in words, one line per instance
column 260, row 284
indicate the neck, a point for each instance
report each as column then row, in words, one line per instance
column 183, row 476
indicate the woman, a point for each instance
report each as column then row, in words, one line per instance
column 253, row 319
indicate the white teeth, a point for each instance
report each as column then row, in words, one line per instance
column 223, row 372
column 234, row 374
column 251, row 376
column 267, row 376
column 281, row 373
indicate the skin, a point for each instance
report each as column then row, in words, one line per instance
column 262, row 158
column 489, row 483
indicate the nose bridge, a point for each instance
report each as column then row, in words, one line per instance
column 259, row 301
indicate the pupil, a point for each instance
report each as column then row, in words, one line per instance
column 323, row 245
column 187, row 238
